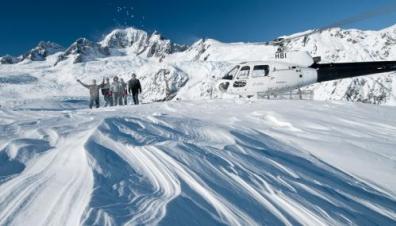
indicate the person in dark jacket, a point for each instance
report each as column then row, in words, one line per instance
column 134, row 88
column 93, row 92
column 107, row 93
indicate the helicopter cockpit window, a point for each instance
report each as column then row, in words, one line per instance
column 230, row 75
column 260, row 71
column 244, row 72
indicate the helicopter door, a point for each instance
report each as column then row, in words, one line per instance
column 260, row 79
column 227, row 79
column 240, row 82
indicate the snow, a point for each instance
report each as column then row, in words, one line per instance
column 232, row 162
column 203, row 158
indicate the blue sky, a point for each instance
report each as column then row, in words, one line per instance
column 23, row 23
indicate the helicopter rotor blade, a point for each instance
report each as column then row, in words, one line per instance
column 386, row 9
column 363, row 16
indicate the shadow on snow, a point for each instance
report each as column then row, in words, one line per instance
column 267, row 165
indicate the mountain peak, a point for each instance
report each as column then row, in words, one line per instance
column 139, row 42
column 42, row 50
column 122, row 38
column 38, row 53
column 84, row 50
column 8, row 59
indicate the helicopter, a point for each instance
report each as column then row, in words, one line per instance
column 273, row 77
column 290, row 70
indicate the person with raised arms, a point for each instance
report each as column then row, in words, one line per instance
column 93, row 92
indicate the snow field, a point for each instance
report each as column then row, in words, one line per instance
column 223, row 162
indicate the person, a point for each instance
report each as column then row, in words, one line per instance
column 134, row 88
column 93, row 92
column 124, row 93
column 106, row 92
column 116, row 90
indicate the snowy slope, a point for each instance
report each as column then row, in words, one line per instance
column 337, row 45
column 192, row 69
column 228, row 162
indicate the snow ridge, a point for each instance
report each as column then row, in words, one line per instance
column 163, row 167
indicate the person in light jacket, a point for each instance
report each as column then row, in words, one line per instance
column 124, row 94
column 116, row 91
column 93, row 92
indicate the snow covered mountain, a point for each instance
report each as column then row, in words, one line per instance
column 84, row 50
column 131, row 50
column 140, row 43
column 43, row 50
column 8, row 59
column 127, row 41
column 39, row 53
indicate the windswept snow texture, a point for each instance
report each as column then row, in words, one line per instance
column 229, row 162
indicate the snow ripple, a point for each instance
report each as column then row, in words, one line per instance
column 83, row 169
column 182, row 176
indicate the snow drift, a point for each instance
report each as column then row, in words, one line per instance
column 195, row 163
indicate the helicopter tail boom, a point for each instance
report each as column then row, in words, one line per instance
column 334, row 71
